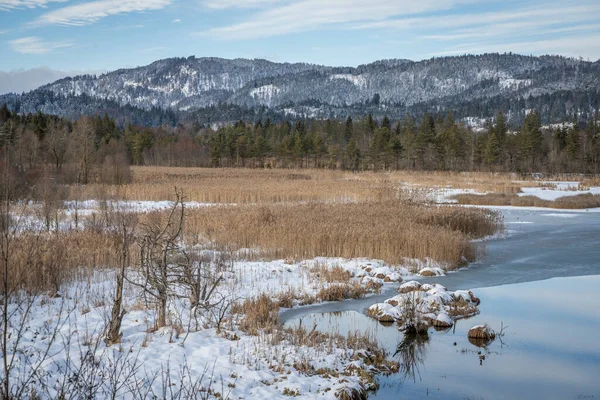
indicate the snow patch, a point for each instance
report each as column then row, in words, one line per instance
column 514, row 84
column 265, row 94
column 357, row 80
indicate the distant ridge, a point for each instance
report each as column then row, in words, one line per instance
column 474, row 86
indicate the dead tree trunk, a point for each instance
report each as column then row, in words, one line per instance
column 114, row 327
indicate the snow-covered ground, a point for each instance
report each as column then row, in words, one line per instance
column 230, row 364
column 547, row 190
column 138, row 206
column 64, row 333
column 556, row 189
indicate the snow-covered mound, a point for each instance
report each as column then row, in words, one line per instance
column 425, row 305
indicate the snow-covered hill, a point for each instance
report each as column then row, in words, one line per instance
column 188, row 84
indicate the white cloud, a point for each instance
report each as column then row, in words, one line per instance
column 306, row 15
column 177, row 21
column 21, row 80
column 35, row 45
column 224, row 4
column 586, row 46
column 87, row 13
column 554, row 28
column 125, row 27
column 537, row 15
column 6, row 5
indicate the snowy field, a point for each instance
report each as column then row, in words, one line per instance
column 547, row 190
column 62, row 338
column 57, row 341
column 556, row 189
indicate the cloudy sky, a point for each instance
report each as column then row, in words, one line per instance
column 75, row 35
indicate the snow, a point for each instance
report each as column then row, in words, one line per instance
column 445, row 318
column 557, row 190
column 357, row 80
column 137, row 206
column 476, row 124
column 409, row 286
column 426, row 304
column 444, row 195
column 514, row 84
column 245, row 366
column 428, row 271
column 559, row 215
column 547, row 190
column 517, row 208
column 563, row 125
column 265, row 94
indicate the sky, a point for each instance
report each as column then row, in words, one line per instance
column 101, row 35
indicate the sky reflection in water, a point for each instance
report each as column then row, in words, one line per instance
column 551, row 347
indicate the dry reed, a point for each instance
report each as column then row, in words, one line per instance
column 580, row 201
column 390, row 230
column 47, row 261
column 244, row 186
column 259, row 314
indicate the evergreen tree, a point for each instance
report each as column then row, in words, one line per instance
column 348, row 132
column 386, row 123
column 352, row 156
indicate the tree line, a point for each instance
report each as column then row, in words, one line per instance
column 97, row 149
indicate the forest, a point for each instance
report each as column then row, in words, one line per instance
column 96, row 149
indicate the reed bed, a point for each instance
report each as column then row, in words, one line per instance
column 387, row 230
column 249, row 186
column 580, row 201
column 47, row 261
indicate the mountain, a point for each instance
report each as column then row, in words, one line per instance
column 214, row 89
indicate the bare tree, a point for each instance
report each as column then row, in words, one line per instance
column 82, row 148
column 124, row 239
column 57, row 142
column 158, row 244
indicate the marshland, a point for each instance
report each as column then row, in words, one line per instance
column 264, row 261
column 228, row 283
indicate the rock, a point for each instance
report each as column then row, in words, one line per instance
column 426, row 287
column 443, row 320
column 481, row 332
column 409, row 286
column 474, row 298
column 382, row 312
column 431, row 272
column 481, row 335
column 393, row 277
column 351, row 393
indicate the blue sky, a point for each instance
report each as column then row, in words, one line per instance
column 97, row 35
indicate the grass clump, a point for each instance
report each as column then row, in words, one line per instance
column 339, row 292
column 580, row 201
column 259, row 314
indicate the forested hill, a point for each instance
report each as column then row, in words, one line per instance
column 210, row 90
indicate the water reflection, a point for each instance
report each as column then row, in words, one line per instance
column 551, row 349
column 410, row 353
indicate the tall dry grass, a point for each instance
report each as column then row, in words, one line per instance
column 388, row 230
column 245, row 186
column 580, row 201
column 47, row 261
